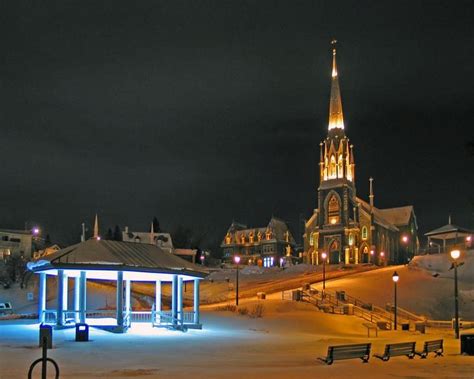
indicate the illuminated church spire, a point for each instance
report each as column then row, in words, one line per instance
column 336, row 120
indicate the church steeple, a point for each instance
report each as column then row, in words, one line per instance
column 337, row 158
column 336, row 119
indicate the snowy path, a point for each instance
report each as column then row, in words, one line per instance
column 282, row 344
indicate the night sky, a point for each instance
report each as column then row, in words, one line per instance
column 202, row 112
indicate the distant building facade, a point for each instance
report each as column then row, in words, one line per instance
column 162, row 240
column 345, row 227
column 16, row 243
column 262, row 245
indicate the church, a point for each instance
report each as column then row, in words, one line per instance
column 348, row 229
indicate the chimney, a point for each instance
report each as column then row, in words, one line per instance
column 126, row 229
column 371, row 195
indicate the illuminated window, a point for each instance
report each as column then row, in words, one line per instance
column 334, row 209
column 259, row 236
column 351, row 239
column 268, row 234
column 251, row 237
column 311, row 240
column 339, row 167
column 242, row 238
column 364, row 232
column 332, row 168
column 228, row 239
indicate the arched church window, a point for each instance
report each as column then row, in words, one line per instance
column 351, row 239
column 340, row 171
column 251, row 237
column 242, row 238
column 332, row 168
column 334, row 210
column 268, row 234
column 228, row 239
column 259, row 236
column 364, row 232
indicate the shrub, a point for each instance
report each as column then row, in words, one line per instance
column 243, row 311
column 257, row 311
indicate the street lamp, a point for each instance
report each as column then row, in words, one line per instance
column 395, row 278
column 202, row 258
column 455, row 254
column 237, row 261
column 324, row 256
column 405, row 242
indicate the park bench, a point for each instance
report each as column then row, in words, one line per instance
column 361, row 351
column 431, row 347
column 397, row 349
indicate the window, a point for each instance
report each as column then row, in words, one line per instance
column 334, row 209
column 268, row 234
column 311, row 240
column 332, row 168
column 251, row 237
column 340, row 171
column 15, row 240
column 351, row 239
column 364, row 233
column 228, row 239
column 4, row 238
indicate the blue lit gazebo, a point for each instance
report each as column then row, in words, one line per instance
column 122, row 262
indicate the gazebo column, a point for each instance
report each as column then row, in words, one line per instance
column 77, row 297
column 82, row 297
column 60, row 297
column 174, row 295
column 196, row 301
column 158, row 300
column 119, row 298
column 128, row 306
column 66, row 292
column 180, row 299
column 41, row 297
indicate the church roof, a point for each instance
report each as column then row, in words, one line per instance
column 399, row 216
column 117, row 255
column 379, row 217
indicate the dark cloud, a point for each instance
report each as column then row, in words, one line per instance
column 202, row 112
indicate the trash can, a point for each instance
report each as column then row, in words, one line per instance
column 341, row 295
column 82, row 332
column 420, row 327
column 349, row 309
column 467, row 344
column 405, row 326
column 46, row 331
column 306, row 287
column 261, row 295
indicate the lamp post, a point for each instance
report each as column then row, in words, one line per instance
column 324, row 256
column 237, row 261
column 372, row 252
column 455, row 254
column 395, row 278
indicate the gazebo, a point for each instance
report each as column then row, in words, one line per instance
column 122, row 262
column 449, row 232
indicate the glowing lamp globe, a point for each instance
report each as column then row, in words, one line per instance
column 395, row 277
column 324, row 255
column 36, row 231
column 237, row 259
column 468, row 239
column 405, row 239
column 382, row 254
column 455, row 254
column 372, row 252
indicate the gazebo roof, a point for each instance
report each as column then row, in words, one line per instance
column 449, row 231
column 117, row 256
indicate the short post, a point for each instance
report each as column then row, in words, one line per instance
column 180, row 300
column 174, row 295
column 157, row 301
column 77, row 296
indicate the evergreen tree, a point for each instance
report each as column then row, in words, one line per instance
column 117, row 234
column 156, row 225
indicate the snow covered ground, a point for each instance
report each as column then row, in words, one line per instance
column 284, row 343
column 425, row 287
